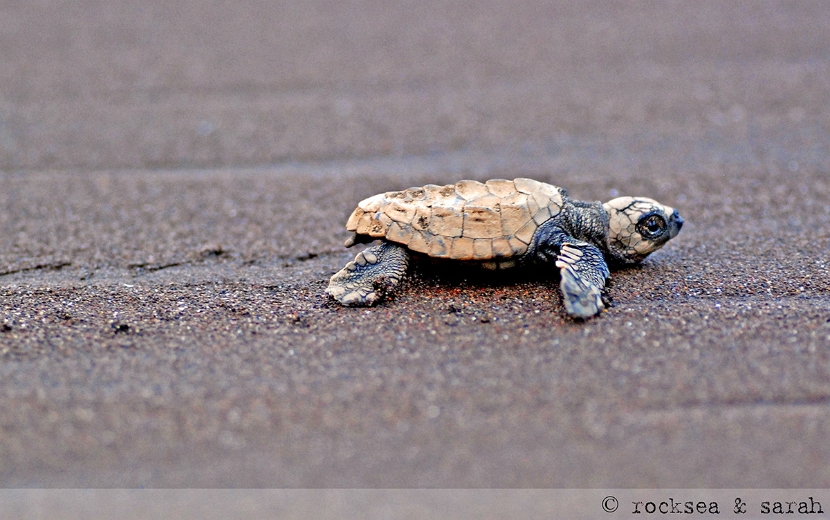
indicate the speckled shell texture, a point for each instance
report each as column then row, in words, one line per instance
column 468, row 220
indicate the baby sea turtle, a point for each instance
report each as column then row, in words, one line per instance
column 501, row 224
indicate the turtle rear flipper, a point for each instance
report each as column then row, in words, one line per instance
column 374, row 274
column 358, row 239
column 583, row 271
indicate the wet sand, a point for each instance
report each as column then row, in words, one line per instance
column 175, row 181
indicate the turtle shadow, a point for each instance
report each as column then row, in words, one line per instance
column 432, row 279
column 461, row 274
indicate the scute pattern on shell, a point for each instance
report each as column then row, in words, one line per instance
column 468, row 220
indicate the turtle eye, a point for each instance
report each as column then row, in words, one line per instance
column 651, row 226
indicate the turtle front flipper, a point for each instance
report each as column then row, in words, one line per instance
column 373, row 274
column 583, row 271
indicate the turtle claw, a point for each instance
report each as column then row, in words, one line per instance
column 355, row 298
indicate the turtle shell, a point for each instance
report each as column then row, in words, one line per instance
column 468, row 220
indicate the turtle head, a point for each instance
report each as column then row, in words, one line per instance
column 638, row 226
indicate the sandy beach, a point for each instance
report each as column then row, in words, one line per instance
column 174, row 184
